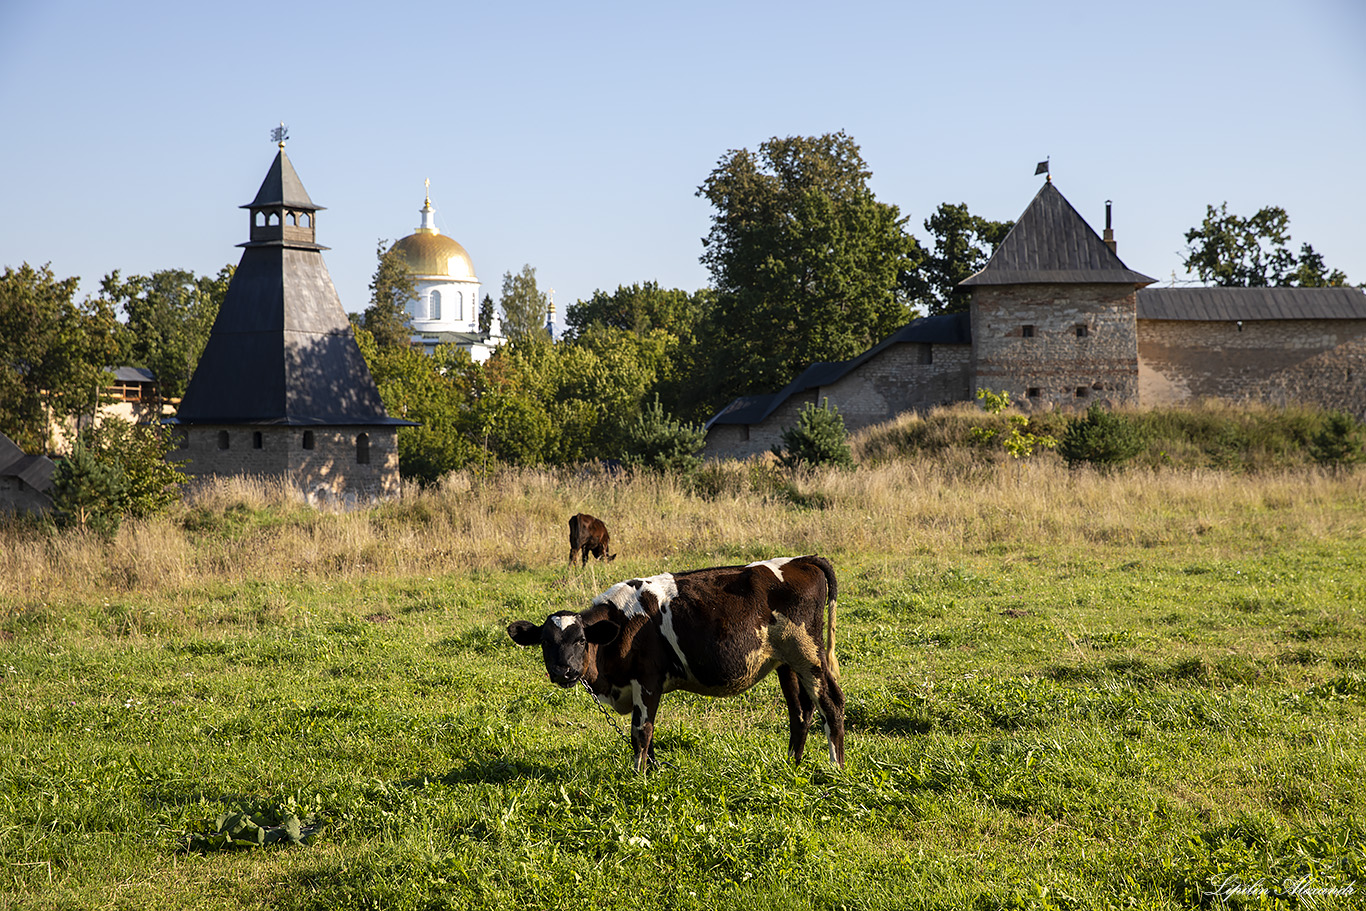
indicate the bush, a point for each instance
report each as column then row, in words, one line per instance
column 115, row 469
column 657, row 442
column 819, row 438
column 1100, row 437
column 1339, row 442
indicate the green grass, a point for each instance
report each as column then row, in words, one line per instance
column 1164, row 720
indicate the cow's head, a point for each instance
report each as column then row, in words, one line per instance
column 563, row 639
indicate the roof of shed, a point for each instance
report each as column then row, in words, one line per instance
column 1053, row 244
column 1251, row 303
column 34, row 470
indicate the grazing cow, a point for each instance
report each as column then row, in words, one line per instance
column 712, row 631
column 589, row 535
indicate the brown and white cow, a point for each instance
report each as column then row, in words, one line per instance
column 588, row 534
column 712, row 631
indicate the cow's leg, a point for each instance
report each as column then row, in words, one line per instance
column 800, row 712
column 646, row 704
column 573, row 553
column 832, row 712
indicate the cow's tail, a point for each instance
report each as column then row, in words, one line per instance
column 832, row 594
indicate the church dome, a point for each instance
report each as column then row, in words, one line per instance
column 430, row 254
column 434, row 255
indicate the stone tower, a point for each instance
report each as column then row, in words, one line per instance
column 282, row 390
column 1054, row 313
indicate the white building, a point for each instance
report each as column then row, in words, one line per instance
column 446, row 308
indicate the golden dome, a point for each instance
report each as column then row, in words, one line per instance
column 430, row 254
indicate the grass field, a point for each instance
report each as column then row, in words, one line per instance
column 1065, row 690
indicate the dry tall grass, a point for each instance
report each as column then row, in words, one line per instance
column 240, row 530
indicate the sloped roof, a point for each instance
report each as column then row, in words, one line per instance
column 282, row 187
column 34, row 470
column 281, row 350
column 1251, row 303
column 945, row 329
column 1053, row 244
column 133, row 375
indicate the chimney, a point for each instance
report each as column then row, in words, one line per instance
column 1109, row 236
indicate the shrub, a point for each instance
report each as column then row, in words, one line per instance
column 657, row 442
column 819, row 438
column 1339, row 442
column 1100, row 437
column 115, row 469
column 88, row 491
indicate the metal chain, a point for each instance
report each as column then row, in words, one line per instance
column 613, row 721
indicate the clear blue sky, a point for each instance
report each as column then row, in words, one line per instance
column 573, row 137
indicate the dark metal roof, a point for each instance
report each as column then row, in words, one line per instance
column 281, row 350
column 1251, row 303
column 282, row 187
column 34, row 470
column 945, row 329
column 1053, row 244
column 133, row 375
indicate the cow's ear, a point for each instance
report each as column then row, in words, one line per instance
column 602, row 632
column 524, row 632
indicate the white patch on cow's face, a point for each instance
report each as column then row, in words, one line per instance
column 626, row 596
column 564, row 621
column 776, row 564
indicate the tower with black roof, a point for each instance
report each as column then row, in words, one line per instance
column 281, row 389
column 1054, row 312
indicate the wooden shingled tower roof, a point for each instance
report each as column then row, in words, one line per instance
column 1053, row 244
column 281, row 350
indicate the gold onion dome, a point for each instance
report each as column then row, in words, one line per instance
column 429, row 253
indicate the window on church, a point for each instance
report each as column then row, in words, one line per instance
column 308, row 439
column 1082, row 392
column 1081, row 331
column 1032, row 392
column 1027, row 331
column 434, row 309
column 256, row 441
column 363, row 449
column 223, row 439
column 293, row 219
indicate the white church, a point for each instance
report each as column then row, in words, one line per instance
column 445, row 310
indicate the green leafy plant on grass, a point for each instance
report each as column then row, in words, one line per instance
column 271, row 826
column 1020, row 442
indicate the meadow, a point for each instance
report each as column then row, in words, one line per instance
column 1066, row 689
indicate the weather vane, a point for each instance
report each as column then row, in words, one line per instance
column 280, row 134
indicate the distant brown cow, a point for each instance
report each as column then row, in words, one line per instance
column 589, row 536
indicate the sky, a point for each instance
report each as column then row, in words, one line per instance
column 572, row 137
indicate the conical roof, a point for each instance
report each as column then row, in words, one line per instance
column 281, row 350
column 1053, row 244
column 282, row 187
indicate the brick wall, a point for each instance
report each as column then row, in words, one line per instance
column 330, row 468
column 1318, row 362
column 1068, row 345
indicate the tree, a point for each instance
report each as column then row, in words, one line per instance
column 54, row 353
column 657, row 442
column 391, row 288
column 820, row 438
column 524, row 306
column 963, row 243
column 804, row 261
column 169, row 316
column 1100, row 437
column 1235, row 252
column 486, row 314
column 640, row 308
column 115, row 469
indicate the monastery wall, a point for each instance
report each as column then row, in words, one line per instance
column 342, row 461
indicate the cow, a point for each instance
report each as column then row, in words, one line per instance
column 716, row 632
column 589, row 535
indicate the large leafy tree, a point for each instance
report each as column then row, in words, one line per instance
column 391, row 288
column 803, row 258
column 54, row 353
column 963, row 243
column 524, row 305
column 1254, row 252
column 169, row 316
